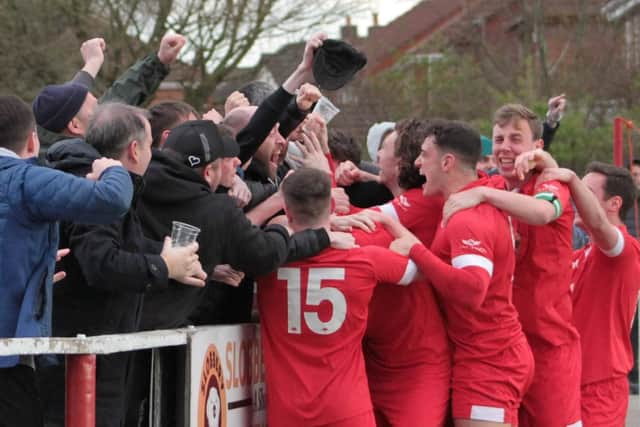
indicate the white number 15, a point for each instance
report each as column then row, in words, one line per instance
column 315, row 295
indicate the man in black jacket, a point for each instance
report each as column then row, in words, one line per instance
column 110, row 267
column 182, row 179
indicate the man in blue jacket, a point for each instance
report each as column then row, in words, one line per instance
column 32, row 200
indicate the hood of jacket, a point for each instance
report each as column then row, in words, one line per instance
column 73, row 156
column 168, row 180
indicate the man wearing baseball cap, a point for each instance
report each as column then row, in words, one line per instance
column 181, row 182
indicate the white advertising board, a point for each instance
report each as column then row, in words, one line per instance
column 227, row 377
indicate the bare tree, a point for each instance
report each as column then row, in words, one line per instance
column 220, row 32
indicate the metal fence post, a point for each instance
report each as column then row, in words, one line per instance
column 80, row 401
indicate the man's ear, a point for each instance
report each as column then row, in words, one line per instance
column 447, row 162
column 615, row 203
column 32, row 148
column 73, row 127
column 287, row 214
column 132, row 151
column 539, row 143
column 163, row 137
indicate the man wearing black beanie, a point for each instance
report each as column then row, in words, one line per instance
column 63, row 111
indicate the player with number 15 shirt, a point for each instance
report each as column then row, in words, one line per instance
column 313, row 315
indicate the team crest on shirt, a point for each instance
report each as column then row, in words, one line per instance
column 549, row 187
column 474, row 245
column 404, row 202
column 212, row 405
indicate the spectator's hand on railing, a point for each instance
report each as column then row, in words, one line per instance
column 224, row 273
column 183, row 264
column 170, row 47
column 59, row 255
column 240, row 192
column 99, row 166
column 235, row 100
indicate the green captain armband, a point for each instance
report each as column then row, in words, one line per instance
column 551, row 198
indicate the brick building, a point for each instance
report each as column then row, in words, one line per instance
column 497, row 33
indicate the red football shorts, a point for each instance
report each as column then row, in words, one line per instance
column 415, row 397
column 604, row 404
column 553, row 400
column 491, row 389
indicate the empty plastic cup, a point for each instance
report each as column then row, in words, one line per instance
column 183, row 234
column 325, row 109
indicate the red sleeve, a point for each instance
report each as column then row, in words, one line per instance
column 470, row 244
column 390, row 267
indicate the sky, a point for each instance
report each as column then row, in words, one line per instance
column 387, row 11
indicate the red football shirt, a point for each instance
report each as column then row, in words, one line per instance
column 405, row 328
column 313, row 314
column 543, row 269
column 605, row 295
column 479, row 238
column 420, row 214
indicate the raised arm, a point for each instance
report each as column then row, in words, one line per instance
column 603, row 234
column 92, row 52
column 140, row 81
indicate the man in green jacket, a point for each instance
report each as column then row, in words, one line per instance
column 63, row 111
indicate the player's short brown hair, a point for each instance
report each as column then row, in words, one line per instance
column 307, row 195
column 510, row 112
column 618, row 183
column 458, row 138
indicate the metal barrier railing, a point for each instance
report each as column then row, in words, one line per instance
column 224, row 366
